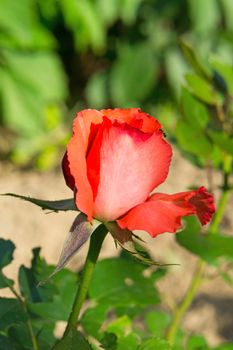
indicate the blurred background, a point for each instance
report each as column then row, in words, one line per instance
column 60, row 56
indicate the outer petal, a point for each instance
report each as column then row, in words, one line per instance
column 134, row 117
column 163, row 212
column 131, row 164
column 203, row 202
column 85, row 129
column 76, row 155
column 66, row 172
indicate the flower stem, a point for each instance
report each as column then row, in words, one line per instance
column 96, row 241
column 198, row 274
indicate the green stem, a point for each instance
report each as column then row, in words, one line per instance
column 219, row 213
column 29, row 324
column 186, row 302
column 198, row 274
column 96, row 241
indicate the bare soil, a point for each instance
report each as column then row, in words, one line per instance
column 212, row 311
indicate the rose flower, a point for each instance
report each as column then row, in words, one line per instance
column 114, row 161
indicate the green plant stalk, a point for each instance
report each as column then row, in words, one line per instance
column 198, row 274
column 186, row 302
column 96, row 241
column 219, row 214
column 29, row 324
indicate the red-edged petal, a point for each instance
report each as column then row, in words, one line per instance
column 93, row 156
column 85, row 129
column 130, row 164
column 66, row 172
column 76, row 155
column 134, row 117
column 203, row 202
column 163, row 212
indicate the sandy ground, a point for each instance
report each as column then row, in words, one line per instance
column 212, row 311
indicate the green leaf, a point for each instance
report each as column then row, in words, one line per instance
column 72, row 341
column 109, row 11
column 195, row 61
column 209, row 247
column 59, row 305
column 225, row 70
column 11, row 312
column 175, row 76
column 192, row 140
column 96, row 90
column 203, row 90
column 155, row 343
column 125, row 279
column 49, row 80
column 222, row 140
column 6, row 256
column 194, row 112
column 228, row 13
column 4, row 281
column 59, row 205
column 30, row 277
column 50, row 301
column 130, row 342
column 85, row 22
column 109, row 341
column 93, row 318
column 5, row 343
column 119, row 326
column 31, row 34
column 6, row 252
column 157, row 322
column 128, row 10
column 31, row 93
column 123, row 293
column 205, row 15
column 24, row 115
column 19, row 336
column 197, row 342
column 133, row 75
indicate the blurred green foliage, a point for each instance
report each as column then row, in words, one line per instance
column 58, row 56
column 123, row 314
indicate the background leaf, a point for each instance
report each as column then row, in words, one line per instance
column 6, row 252
column 201, row 89
column 155, row 343
column 6, row 256
column 223, row 141
column 209, row 247
column 11, row 312
column 139, row 65
column 123, row 295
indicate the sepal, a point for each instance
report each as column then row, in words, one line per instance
column 59, row 205
column 131, row 243
column 79, row 233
